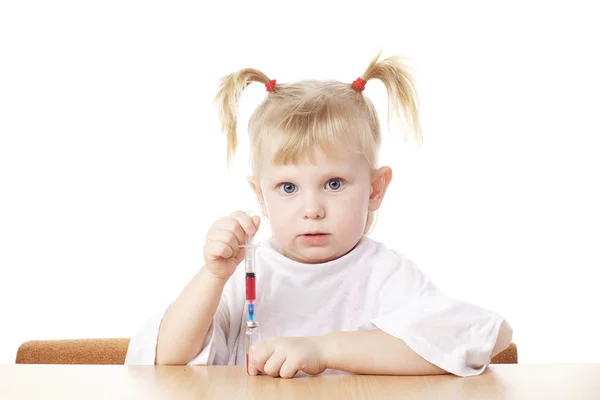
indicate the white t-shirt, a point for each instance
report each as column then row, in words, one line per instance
column 370, row 287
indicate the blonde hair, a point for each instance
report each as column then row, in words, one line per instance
column 297, row 118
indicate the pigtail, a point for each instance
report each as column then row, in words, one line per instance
column 400, row 86
column 230, row 89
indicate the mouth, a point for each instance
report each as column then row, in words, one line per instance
column 314, row 238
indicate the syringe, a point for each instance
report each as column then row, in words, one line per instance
column 250, row 277
column 252, row 334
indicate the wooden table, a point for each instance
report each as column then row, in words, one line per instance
column 567, row 381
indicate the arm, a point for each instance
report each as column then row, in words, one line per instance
column 373, row 352
column 364, row 352
column 186, row 322
column 184, row 326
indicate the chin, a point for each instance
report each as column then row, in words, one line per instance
column 317, row 255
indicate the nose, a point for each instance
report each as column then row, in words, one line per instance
column 313, row 207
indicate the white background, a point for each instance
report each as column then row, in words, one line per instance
column 112, row 165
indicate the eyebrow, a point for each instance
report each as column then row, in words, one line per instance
column 325, row 173
column 337, row 172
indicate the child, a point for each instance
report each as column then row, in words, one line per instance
column 329, row 298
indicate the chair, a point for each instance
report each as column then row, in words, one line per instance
column 113, row 351
column 73, row 351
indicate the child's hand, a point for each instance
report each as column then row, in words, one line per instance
column 222, row 252
column 285, row 356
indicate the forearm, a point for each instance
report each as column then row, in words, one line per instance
column 186, row 322
column 373, row 352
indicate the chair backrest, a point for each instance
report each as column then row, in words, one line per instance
column 75, row 351
column 113, row 351
column 507, row 356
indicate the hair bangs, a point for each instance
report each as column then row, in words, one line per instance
column 320, row 123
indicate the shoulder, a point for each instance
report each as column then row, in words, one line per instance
column 380, row 251
column 393, row 262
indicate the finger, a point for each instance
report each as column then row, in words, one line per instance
column 256, row 221
column 246, row 222
column 252, row 370
column 224, row 236
column 258, row 356
column 215, row 250
column 289, row 369
column 231, row 224
column 273, row 364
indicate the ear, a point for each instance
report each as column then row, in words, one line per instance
column 255, row 186
column 379, row 184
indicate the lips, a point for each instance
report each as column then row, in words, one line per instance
column 314, row 238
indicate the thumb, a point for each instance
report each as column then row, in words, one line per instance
column 256, row 221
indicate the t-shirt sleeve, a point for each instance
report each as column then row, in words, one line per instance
column 142, row 346
column 458, row 337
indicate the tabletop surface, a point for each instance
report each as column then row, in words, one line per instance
column 499, row 381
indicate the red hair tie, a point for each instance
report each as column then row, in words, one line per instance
column 359, row 84
column 270, row 85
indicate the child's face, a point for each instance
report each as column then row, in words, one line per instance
column 318, row 211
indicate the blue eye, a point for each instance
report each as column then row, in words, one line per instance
column 334, row 184
column 288, row 188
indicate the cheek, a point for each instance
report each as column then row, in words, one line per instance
column 352, row 211
column 277, row 211
column 271, row 203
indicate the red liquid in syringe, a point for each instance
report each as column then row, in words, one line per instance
column 250, row 286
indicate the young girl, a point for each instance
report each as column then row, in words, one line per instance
column 329, row 298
